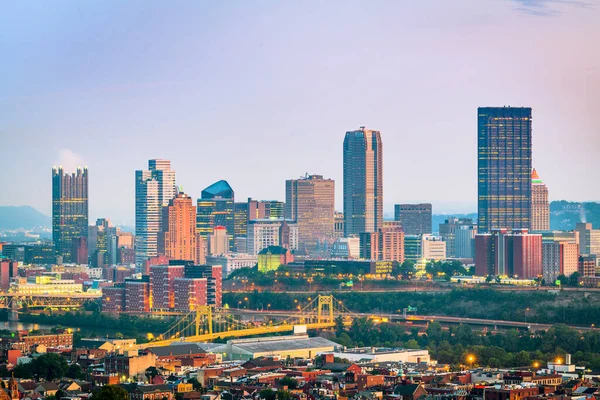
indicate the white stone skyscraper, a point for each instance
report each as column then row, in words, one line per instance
column 154, row 188
column 363, row 181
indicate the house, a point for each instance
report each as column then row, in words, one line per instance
column 342, row 367
column 149, row 392
column 47, row 389
column 410, row 391
column 263, row 364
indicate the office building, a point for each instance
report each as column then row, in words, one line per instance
column 414, row 218
column 79, row 254
column 448, row 233
column 363, row 181
column 137, row 295
column 154, row 188
column 240, row 222
column 540, row 206
column 385, row 245
column 504, row 168
column 464, row 241
column 558, row 258
column 104, row 232
column 271, row 232
column 190, row 293
column 214, row 208
column 587, row 265
column 433, row 247
column 178, row 239
column 310, row 201
column 348, row 248
column 218, row 241
column 338, row 225
column 162, row 278
column 589, row 238
column 8, row 271
column 516, row 253
column 232, row 262
column 413, row 250
column 69, row 209
column 265, row 209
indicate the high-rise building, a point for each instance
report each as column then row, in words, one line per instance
column 587, row 265
column 589, row 238
column 178, row 239
column 385, row 244
column 190, row 293
column 310, row 201
column 504, row 168
column 338, row 225
column 69, row 209
column 154, row 188
column 363, row 181
column 415, row 218
column 240, row 221
column 448, row 231
column 347, row 248
column 464, row 238
column 516, row 253
column 218, row 241
column 540, row 207
column 433, row 247
column 214, row 276
column 215, row 207
column 271, row 232
column 79, row 252
column 104, row 232
column 8, row 271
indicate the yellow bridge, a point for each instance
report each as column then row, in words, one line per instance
column 18, row 301
column 208, row 323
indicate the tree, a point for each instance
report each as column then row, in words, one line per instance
column 267, row 394
column 49, row 366
column 283, row 395
column 195, row 384
column 574, row 279
column 563, row 280
column 75, row 372
column 291, row 383
column 61, row 393
column 22, row 371
column 489, row 279
column 339, row 325
column 110, row 392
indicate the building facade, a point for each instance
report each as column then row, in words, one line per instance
column 214, row 208
column 271, row 232
column 516, row 253
column 162, row 278
column 178, row 239
column 310, row 201
column 363, row 181
column 589, row 238
column 540, row 206
column 218, row 241
column 448, row 233
column 232, row 262
column 558, row 258
column 385, row 244
column 154, row 188
column 69, row 209
column 414, row 218
column 504, row 168
column 464, row 241
column 433, row 247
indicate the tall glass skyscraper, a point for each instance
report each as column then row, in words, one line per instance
column 504, row 168
column 154, row 188
column 214, row 208
column 363, row 181
column 69, row 210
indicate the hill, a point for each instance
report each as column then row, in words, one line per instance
column 22, row 217
column 565, row 214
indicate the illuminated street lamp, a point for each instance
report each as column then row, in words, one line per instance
column 471, row 359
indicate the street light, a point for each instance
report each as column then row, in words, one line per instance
column 471, row 359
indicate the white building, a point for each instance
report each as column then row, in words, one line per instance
column 375, row 354
column 233, row 261
column 218, row 241
column 263, row 233
column 433, row 247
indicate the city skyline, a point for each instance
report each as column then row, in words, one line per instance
column 114, row 99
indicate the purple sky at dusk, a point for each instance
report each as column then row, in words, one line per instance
column 257, row 92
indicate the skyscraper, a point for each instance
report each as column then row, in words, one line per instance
column 448, row 232
column 214, row 208
column 152, row 190
column 363, row 181
column 540, row 207
column 414, row 218
column 69, row 209
column 310, row 201
column 504, row 168
column 178, row 239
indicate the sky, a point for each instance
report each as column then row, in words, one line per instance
column 257, row 92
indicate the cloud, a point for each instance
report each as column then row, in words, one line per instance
column 546, row 8
column 69, row 160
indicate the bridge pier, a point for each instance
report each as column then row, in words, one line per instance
column 13, row 313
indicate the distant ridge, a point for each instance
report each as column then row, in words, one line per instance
column 23, row 217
